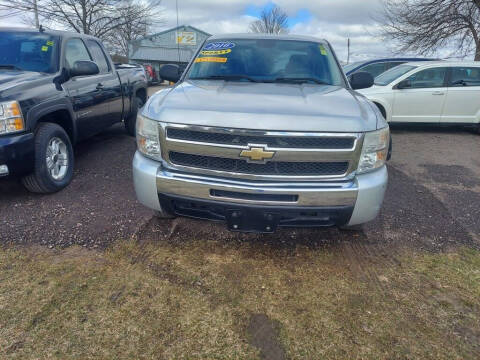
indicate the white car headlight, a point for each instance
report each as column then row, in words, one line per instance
column 148, row 141
column 375, row 150
column 11, row 118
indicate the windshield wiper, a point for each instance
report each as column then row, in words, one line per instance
column 224, row 77
column 300, row 79
column 8, row 66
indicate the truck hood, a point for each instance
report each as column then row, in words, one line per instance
column 12, row 78
column 263, row 106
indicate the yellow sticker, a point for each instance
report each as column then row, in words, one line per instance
column 216, row 52
column 44, row 48
column 322, row 50
column 211, row 59
column 50, row 43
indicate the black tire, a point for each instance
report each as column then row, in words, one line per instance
column 131, row 121
column 41, row 180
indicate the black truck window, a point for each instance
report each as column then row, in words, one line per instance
column 98, row 56
column 76, row 51
column 29, row 51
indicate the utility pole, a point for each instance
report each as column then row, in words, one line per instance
column 348, row 51
column 35, row 10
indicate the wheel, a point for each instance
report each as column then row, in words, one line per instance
column 131, row 121
column 53, row 167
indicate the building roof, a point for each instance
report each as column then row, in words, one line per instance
column 163, row 54
column 169, row 30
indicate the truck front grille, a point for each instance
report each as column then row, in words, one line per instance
column 299, row 142
column 270, row 168
column 295, row 156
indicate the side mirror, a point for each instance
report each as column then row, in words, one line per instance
column 404, row 84
column 84, row 68
column 170, row 72
column 361, row 80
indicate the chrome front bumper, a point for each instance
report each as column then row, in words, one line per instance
column 364, row 193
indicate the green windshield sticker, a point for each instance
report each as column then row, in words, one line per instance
column 50, row 43
column 45, row 48
column 323, row 51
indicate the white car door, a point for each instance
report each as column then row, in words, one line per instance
column 423, row 99
column 463, row 96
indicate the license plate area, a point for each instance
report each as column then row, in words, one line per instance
column 252, row 220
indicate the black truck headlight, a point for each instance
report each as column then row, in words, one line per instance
column 11, row 118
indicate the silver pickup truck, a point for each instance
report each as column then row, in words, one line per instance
column 260, row 132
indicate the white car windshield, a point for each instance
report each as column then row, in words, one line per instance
column 391, row 75
column 267, row 60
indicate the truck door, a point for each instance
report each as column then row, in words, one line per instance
column 111, row 87
column 85, row 94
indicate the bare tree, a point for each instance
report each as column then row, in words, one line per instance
column 106, row 19
column 272, row 21
column 139, row 19
column 428, row 25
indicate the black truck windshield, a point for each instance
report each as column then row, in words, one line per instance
column 28, row 51
column 267, row 60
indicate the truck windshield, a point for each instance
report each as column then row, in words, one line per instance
column 267, row 60
column 28, row 51
column 391, row 75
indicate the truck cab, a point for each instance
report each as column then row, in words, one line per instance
column 57, row 88
column 263, row 132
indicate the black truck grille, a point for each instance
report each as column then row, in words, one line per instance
column 300, row 142
column 270, row 168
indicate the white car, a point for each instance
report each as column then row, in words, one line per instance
column 429, row 92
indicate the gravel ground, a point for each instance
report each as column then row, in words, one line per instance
column 431, row 202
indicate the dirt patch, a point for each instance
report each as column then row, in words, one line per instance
column 451, row 175
column 467, row 204
column 263, row 334
column 97, row 208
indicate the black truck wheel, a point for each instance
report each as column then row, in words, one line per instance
column 54, row 161
column 131, row 121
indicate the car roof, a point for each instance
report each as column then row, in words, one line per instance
column 443, row 63
column 239, row 36
column 406, row 59
column 60, row 33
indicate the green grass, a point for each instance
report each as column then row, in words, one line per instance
column 194, row 301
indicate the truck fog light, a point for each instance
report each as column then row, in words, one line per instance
column 3, row 170
column 148, row 141
column 374, row 150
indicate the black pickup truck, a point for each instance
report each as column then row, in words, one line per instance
column 57, row 88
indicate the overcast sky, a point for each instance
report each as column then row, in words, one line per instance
column 334, row 20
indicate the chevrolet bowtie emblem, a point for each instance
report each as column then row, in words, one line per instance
column 257, row 154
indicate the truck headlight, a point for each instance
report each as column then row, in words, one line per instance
column 375, row 150
column 11, row 118
column 148, row 141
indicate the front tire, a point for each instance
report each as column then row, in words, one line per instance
column 54, row 161
column 131, row 121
